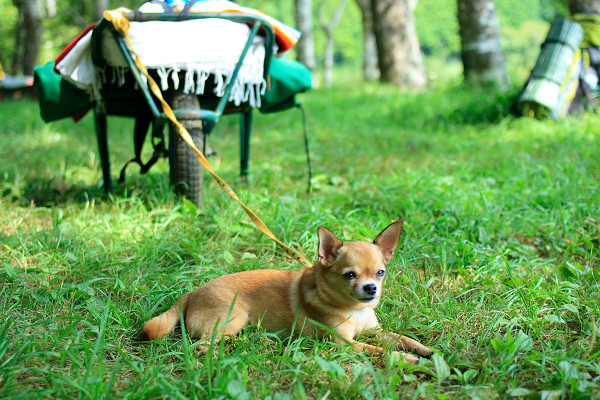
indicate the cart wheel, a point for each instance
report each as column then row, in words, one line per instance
column 186, row 171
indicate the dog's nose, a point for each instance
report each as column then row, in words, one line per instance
column 370, row 289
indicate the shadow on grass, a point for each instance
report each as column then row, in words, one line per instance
column 48, row 191
column 456, row 105
column 444, row 105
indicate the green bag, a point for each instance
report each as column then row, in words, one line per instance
column 288, row 77
column 58, row 98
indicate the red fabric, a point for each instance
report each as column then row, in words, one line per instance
column 77, row 118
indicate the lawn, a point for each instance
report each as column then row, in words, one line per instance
column 497, row 268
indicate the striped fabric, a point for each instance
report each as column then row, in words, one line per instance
column 286, row 36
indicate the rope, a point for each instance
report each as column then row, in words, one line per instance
column 122, row 26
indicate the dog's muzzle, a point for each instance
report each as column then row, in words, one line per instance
column 369, row 292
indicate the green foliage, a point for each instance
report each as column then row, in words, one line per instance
column 550, row 9
column 437, row 25
column 521, row 46
column 58, row 30
column 8, row 16
column 497, row 268
column 514, row 13
column 283, row 11
column 347, row 36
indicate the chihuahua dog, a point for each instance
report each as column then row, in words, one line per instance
column 339, row 292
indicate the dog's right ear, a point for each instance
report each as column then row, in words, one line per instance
column 329, row 246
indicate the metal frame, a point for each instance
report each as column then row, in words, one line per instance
column 209, row 117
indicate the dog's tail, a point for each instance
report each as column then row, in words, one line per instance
column 163, row 324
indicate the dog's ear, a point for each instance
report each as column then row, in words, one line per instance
column 329, row 246
column 388, row 239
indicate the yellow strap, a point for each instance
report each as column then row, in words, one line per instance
column 121, row 25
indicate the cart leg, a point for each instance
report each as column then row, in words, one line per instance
column 100, row 120
column 245, row 130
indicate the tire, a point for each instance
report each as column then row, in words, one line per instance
column 187, row 174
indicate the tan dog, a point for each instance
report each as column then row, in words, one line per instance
column 340, row 291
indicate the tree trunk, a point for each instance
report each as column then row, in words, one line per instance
column 400, row 58
column 481, row 53
column 306, row 45
column 328, row 27
column 99, row 7
column 17, row 62
column 328, row 62
column 32, row 21
column 370, row 63
column 584, row 6
column 50, row 8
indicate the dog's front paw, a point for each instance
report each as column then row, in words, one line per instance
column 412, row 345
column 202, row 349
column 423, row 351
column 409, row 358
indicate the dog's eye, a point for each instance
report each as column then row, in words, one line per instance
column 350, row 275
column 381, row 273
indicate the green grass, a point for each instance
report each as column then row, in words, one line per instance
column 497, row 269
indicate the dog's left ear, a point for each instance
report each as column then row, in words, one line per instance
column 388, row 239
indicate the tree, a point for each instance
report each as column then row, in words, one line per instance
column 370, row 61
column 99, row 7
column 306, row 45
column 481, row 53
column 328, row 26
column 584, row 6
column 399, row 56
column 28, row 36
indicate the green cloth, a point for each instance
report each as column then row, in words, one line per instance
column 57, row 97
column 287, row 78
